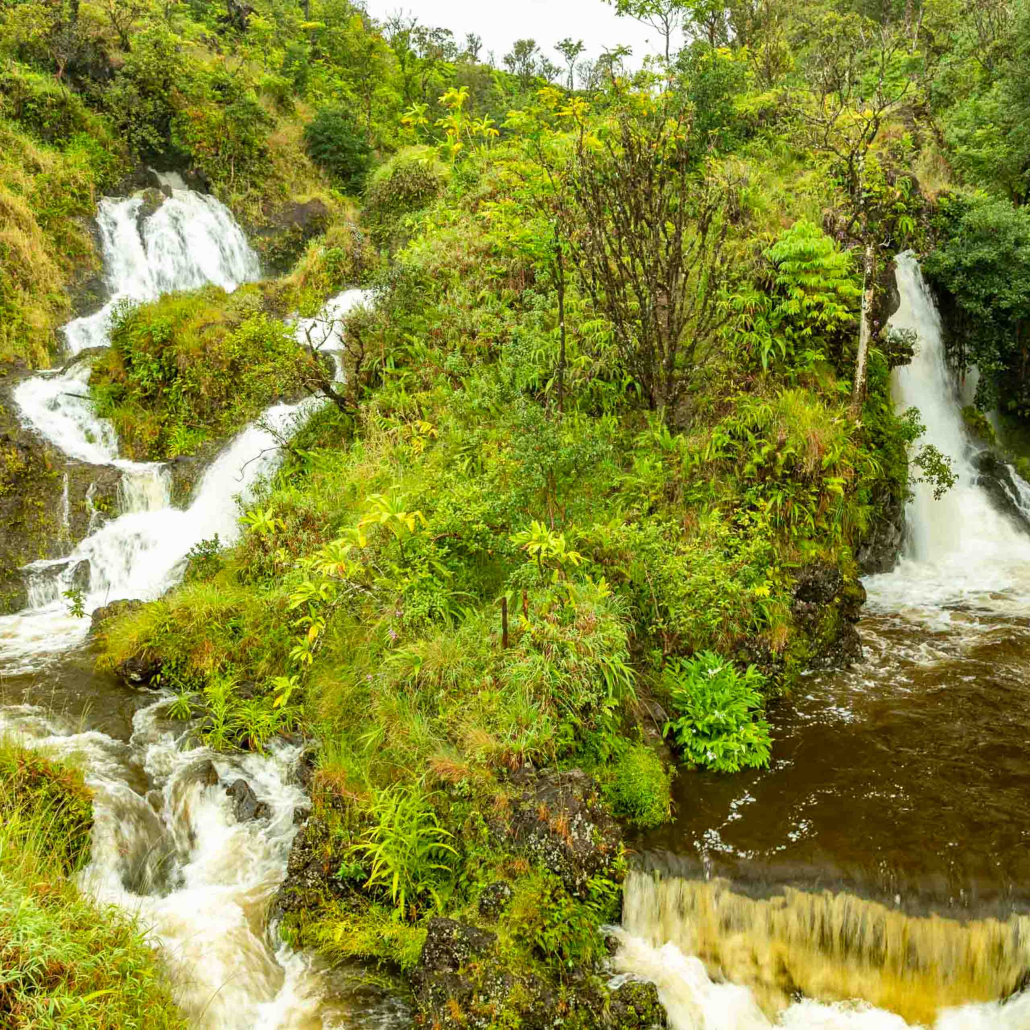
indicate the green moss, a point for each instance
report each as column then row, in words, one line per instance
column 978, row 424
column 639, row 788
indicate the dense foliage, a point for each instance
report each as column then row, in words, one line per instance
column 623, row 379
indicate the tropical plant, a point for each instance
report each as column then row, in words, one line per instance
column 718, row 722
column 408, row 850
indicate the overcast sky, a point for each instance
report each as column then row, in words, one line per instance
column 501, row 22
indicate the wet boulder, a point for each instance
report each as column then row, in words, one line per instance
column 111, row 611
column 558, row 821
column 140, row 671
column 881, row 545
column 1008, row 492
column 635, row 1003
column 151, row 200
column 245, row 802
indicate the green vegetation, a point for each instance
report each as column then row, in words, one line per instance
column 65, row 962
column 714, row 706
column 191, row 366
column 623, row 391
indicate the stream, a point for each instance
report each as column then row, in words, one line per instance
column 883, row 855
column 874, row 878
column 166, row 844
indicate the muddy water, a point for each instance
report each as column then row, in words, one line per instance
column 906, row 779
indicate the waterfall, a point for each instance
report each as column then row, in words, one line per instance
column 834, row 947
column 166, row 844
column 189, row 241
column 199, row 880
column 723, row 959
column 959, row 548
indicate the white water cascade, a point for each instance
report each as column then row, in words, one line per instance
column 960, row 548
column 964, row 566
column 166, row 844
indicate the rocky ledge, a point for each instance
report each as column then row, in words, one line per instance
column 468, row 975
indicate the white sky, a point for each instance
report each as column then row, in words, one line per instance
column 501, row 22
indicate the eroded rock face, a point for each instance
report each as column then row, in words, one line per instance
column 1001, row 483
column 559, row 822
column 826, row 608
column 288, row 231
column 46, row 502
column 880, row 549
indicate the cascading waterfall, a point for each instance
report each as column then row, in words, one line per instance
column 947, row 629
column 959, row 547
column 166, row 844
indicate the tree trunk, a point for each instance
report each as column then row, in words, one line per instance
column 868, row 273
column 560, row 266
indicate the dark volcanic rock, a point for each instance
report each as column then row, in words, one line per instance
column 245, row 803
column 309, row 872
column 635, row 1003
column 826, row 608
column 288, row 231
column 1002, row 484
column 494, row 899
column 559, row 822
column 881, row 546
column 139, row 671
column 111, row 611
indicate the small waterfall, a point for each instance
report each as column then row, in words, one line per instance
column 959, row 547
column 139, row 555
column 189, row 241
column 145, row 488
column 750, row 959
column 167, row 847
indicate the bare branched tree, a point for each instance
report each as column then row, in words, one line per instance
column 651, row 247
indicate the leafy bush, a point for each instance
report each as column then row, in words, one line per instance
column 639, row 788
column 984, row 267
column 408, row 182
column 716, row 724
column 50, row 111
column 408, row 850
column 335, row 142
column 189, row 366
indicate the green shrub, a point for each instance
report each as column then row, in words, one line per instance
column 715, row 724
column 335, row 142
column 47, row 802
column 640, row 787
column 407, row 848
column 50, row 111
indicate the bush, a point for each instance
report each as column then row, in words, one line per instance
column 639, row 789
column 50, row 111
column 715, row 725
column 334, row 141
